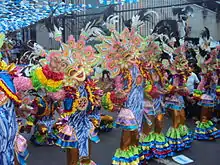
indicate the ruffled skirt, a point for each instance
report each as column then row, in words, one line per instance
column 131, row 156
column 21, row 151
column 126, row 120
column 155, row 145
column 206, row 131
column 67, row 137
column 179, row 138
column 207, row 101
column 175, row 102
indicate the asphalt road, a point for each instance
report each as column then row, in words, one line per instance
column 202, row 152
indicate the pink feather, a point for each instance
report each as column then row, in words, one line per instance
column 22, row 83
column 57, row 96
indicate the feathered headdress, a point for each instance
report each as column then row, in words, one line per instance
column 139, row 19
column 207, row 58
column 32, row 56
column 120, row 50
column 81, row 57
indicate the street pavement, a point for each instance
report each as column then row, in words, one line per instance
column 202, row 152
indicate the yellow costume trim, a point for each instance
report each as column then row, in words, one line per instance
column 4, row 66
column 148, row 87
column 8, row 92
column 46, row 82
column 135, row 162
column 74, row 109
column 30, row 123
column 108, row 100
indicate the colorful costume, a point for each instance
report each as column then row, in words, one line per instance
column 8, row 124
column 179, row 136
column 81, row 101
column 152, row 141
column 205, row 129
column 9, row 153
column 207, row 89
column 129, row 119
column 121, row 52
column 43, row 120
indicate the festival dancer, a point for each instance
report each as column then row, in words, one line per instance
column 8, row 124
column 106, row 84
column 153, row 142
column 207, row 89
column 121, row 52
column 9, row 153
column 82, row 98
column 179, row 136
column 205, row 129
column 45, row 79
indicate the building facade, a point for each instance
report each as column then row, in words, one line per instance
column 203, row 17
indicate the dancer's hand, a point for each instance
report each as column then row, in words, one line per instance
column 191, row 100
column 121, row 94
column 164, row 92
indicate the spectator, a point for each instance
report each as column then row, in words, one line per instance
column 192, row 110
column 5, row 53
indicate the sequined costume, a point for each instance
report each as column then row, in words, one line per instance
column 8, row 124
column 208, row 88
column 179, row 136
column 81, row 123
column 153, row 141
column 43, row 121
column 130, row 120
column 206, row 129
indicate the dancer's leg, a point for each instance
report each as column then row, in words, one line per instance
column 205, row 114
column 134, row 138
column 88, row 159
column 175, row 118
column 125, row 140
column 146, row 128
column 182, row 117
column 16, row 160
column 72, row 156
column 159, row 123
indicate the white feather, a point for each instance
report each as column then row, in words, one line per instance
column 112, row 21
column 90, row 30
column 136, row 22
column 153, row 12
column 50, row 35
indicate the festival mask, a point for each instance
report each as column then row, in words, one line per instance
column 71, row 41
column 74, row 75
column 57, row 63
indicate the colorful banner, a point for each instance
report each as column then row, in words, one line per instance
column 111, row 2
column 15, row 15
column 18, row 14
